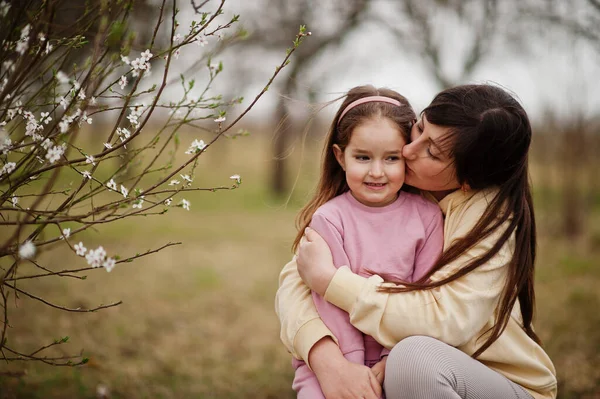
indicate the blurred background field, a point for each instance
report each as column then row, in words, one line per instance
column 198, row 321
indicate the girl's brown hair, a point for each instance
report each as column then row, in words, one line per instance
column 489, row 136
column 332, row 181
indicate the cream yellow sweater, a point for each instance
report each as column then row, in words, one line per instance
column 456, row 313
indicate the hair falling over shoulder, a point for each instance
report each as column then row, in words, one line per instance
column 490, row 135
column 332, row 179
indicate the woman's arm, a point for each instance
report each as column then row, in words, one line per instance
column 301, row 326
column 453, row 313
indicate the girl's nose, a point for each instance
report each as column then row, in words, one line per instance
column 376, row 169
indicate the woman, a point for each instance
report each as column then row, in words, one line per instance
column 464, row 329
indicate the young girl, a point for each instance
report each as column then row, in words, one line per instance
column 369, row 224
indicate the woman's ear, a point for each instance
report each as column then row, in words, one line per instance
column 339, row 155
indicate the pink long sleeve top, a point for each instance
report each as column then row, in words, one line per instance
column 399, row 242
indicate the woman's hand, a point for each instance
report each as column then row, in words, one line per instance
column 339, row 378
column 315, row 263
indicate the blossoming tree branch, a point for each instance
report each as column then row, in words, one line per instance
column 54, row 182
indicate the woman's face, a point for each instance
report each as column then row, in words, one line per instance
column 428, row 165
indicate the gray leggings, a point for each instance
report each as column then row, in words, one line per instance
column 425, row 368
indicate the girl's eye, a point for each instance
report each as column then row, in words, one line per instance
column 420, row 128
column 362, row 158
column 394, row 158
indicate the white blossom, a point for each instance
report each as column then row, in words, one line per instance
column 49, row 48
column 14, row 200
column 80, row 250
column 95, row 258
column 146, row 55
column 109, row 264
column 237, row 178
column 87, row 175
column 93, row 100
column 27, row 250
column 125, row 59
column 62, row 77
column 201, row 41
column 81, row 95
column 66, row 233
column 187, row 178
column 220, row 119
column 55, row 153
column 85, row 118
column 63, row 102
column 139, row 202
column 123, row 82
column 108, row 146
column 5, row 145
column 90, row 159
column 168, row 201
column 196, row 146
column 63, row 125
column 112, row 185
column 45, row 118
column 174, row 182
column 185, row 204
column 124, row 191
column 8, row 168
column 46, row 144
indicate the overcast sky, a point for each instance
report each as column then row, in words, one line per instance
column 557, row 76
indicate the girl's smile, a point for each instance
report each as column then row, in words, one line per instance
column 373, row 162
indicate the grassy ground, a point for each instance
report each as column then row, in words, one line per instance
column 197, row 320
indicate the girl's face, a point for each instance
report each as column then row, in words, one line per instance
column 373, row 162
column 428, row 165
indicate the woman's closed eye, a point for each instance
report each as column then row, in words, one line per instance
column 431, row 155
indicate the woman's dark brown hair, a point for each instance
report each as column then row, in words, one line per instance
column 489, row 135
column 332, row 181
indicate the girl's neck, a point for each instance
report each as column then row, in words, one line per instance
column 439, row 195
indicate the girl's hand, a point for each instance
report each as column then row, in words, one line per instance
column 379, row 370
column 339, row 378
column 315, row 263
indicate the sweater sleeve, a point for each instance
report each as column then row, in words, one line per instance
column 453, row 313
column 332, row 234
column 430, row 250
column 301, row 326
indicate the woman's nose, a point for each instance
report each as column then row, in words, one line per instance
column 409, row 151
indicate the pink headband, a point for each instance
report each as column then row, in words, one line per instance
column 369, row 100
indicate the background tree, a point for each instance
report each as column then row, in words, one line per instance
column 56, row 182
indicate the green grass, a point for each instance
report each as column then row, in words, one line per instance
column 198, row 321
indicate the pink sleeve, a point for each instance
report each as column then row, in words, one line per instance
column 333, row 237
column 350, row 340
column 431, row 248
